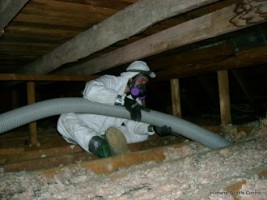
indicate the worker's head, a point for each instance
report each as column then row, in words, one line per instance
column 140, row 75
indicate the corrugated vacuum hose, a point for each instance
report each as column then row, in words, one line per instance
column 33, row 112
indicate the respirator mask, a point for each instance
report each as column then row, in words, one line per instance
column 138, row 90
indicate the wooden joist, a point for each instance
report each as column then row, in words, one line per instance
column 8, row 10
column 11, row 151
column 216, row 171
column 251, row 57
column 112, row 164
column 159, row 156
column 36, row 77
column 22, row 159
column 14, row 158
column 110, row 31
column 211, row 25
column 47, row 162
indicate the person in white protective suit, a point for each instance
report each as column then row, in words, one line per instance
column 105, row 136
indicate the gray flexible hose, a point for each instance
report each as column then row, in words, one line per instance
column 47, row 108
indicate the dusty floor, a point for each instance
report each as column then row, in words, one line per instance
column 191, row 172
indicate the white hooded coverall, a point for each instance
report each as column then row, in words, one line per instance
column 80, row 128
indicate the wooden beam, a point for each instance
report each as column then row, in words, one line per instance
column 211, row 25
column 21, row 154
column 112, row 164
column 36, row 77
column 250, row 57
column 48, row 162
column 224, row 97
column 110, row 31
column 8, row 10
column 254, row 56
column 31, row 100
column 176, row 100
column 11, row 151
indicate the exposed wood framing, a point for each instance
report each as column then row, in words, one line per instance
column 11, row 151
column 110, row 31
column 208, row 26
column 31, row 100
column 21, row 159
column 15, row 156
column 46, row 162
column 225, row 109
column 36, row 77
column 8, row 10
column 109, row 165
column 246, row 58
column 176, row 100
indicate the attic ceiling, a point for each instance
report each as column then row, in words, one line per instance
column 42, row 27
column 177, row 38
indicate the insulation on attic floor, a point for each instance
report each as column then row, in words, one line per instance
column 190, row 171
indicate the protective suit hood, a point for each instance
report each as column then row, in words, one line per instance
column 129, row 75
column 138, row 67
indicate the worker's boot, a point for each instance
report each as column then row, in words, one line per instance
column 116, row 141
column 99, row 147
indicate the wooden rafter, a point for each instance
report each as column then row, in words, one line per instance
column 36, row 77
column 220, row 22
column 8, row 10
column 110, row 31
column 246, row 58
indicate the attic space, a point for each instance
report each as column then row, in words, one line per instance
column 210, row 92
